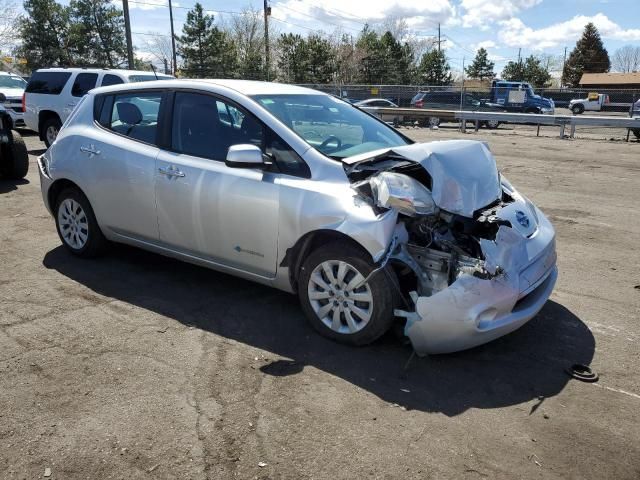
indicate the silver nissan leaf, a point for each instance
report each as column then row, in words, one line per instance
column 301, row 191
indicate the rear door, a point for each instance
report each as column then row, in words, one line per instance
column 206, row 209
column 82, row 83
column 122, row 156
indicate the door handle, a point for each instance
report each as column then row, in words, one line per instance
column 171, row 172
column 71, row 104
column 91, row 150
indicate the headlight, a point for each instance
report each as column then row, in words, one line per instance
column 405, row 194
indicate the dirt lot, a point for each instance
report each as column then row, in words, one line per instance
column 136, row 366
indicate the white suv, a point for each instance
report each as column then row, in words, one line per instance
column 12, row 87
column 52, row 94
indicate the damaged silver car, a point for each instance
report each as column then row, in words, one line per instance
column 301, row 191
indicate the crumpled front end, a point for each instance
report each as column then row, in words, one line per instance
column 478, row 262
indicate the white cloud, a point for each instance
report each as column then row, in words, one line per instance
column 353, row 14
column 515, row 33
column 148, row 4
column 480, row 13
column 487, row 44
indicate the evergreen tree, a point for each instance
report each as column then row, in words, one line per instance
column 97, row 33
column 45, row 34
column 292, row 58
column 321, row 64
column 206, row 50
column 434, row 69
column 531, row 70
column 481, row 67
column 588, row 56
column 385, row 60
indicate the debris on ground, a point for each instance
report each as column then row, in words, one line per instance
column 47, row 472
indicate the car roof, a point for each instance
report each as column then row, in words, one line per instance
column 245, row 87
column 95, row 70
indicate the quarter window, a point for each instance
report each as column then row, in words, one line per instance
column 83, row 83
column 50, row 83
column 134, row 115
column 109, row 79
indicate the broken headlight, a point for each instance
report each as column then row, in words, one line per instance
column 405, row 194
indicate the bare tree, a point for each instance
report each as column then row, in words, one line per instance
column 398, row 26
column 626, row 59
column 9, row 16
column 159, row 46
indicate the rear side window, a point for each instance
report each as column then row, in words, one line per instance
column 50, row 83
column 83, row 83
column 134, row 115
column 109, row 79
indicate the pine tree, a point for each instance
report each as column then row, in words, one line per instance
column 292, row 58
column 481, row 67
column 434, row 69
column 45, row 34
column 531, row 70
column 588, row 56
column 97, row 33
column 206, row 50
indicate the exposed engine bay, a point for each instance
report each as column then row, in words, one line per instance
column 459, row 222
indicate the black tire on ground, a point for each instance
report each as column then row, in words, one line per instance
column 636, row 132
column 491, row 124
column 14, row 161
column 577, row 109
column 96, row 242
column 380, row 286
column 53, row 123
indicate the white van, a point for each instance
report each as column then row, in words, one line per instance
column 52, row 94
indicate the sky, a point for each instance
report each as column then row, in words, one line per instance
column 503, row 27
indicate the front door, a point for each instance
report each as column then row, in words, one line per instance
column 206, row 209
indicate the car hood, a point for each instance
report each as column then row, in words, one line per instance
column 464, row 173
column 12, row 92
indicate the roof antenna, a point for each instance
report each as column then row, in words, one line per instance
column 154, row 70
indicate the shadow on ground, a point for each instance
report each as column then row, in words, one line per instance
column 525, row 365
column 7, row 186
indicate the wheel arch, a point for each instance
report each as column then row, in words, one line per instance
column 308, row 243
column 57, row 187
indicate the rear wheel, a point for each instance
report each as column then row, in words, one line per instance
column 577, row 109
column 492, row 124
column 434, row 121
column 14, row 161
column 50, row 129
column 636, row 132
column 76, row 224
column 339, row 300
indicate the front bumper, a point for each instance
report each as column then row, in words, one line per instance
column 472, row 310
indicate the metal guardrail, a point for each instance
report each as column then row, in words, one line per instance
column 562, row 121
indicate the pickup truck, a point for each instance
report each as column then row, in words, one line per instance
column 519, row 97
column 14, row 159
column 595, row 102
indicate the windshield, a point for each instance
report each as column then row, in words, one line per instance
column 330, row 125
column 12, row 81
column 148, row 78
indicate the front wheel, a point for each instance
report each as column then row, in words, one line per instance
column 76, row 224
column 577, row 109
column 492, row 124
column 339, row 299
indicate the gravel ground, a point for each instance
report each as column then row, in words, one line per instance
column 137, row 366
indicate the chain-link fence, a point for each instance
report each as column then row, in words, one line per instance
column 464, row 98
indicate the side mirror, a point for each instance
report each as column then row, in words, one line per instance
column 244, row 156
column 2, row 98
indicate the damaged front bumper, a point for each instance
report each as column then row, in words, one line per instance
column 473, row 310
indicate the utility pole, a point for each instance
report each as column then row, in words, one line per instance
column 173, row 40
column 267, row 12
column 439, row 41
column 564, row 64
column 127, row 29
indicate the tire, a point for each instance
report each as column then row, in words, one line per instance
column 14, row 161
column 355, row 322
column 636, row 132
column 492, row 124
column 50, row 128
column 433, row 122
column 577, row 109
column 76, row 224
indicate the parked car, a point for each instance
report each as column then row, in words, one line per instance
column 52, row 94
column 393, row 118
column 14, row 159
column 452, row 100
column 12, row 87
column 363, row 224
column 635, row 112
